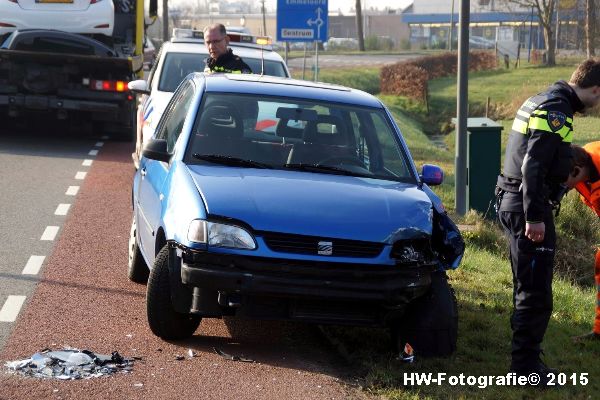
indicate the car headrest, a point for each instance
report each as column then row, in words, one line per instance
column 333, row 131
column 221, row 119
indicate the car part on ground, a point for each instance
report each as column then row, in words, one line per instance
column 69, row 364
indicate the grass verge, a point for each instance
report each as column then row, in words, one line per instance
column 483, row 283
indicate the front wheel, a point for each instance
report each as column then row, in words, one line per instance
column 430, row 324
column 164, row 321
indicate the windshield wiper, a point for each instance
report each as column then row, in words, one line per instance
column 325, row 168
column 228, row 160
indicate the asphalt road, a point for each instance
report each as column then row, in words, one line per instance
column 38, row 168
column 82, row 298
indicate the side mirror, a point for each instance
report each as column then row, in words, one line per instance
column 156, row 149
column 139, row 86
column 432, row 175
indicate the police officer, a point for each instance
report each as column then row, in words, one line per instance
column 537, row 161
column 221, row 57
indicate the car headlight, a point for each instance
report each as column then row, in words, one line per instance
column 220, row 235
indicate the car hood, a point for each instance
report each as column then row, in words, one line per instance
column 315, row 204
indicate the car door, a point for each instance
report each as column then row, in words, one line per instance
column 154, row 173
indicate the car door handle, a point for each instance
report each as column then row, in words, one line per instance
column 143, row 171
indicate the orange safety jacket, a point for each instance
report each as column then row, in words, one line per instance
column 590, row 192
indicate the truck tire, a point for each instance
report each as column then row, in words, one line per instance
column 164, row 321
column 137, row 270
column 430, row 324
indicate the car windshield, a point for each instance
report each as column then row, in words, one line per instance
column 178, row 65
column 255, row 131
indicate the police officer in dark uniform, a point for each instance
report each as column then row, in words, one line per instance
column 537, row 162
column 221, row 57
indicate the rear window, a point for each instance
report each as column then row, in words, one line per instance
column 178, row 65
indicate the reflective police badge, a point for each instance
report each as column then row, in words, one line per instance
column 556, row 120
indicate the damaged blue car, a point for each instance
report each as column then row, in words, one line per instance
column 274, row 198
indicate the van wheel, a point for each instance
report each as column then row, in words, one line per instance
column 164, row 321
column 430, row 324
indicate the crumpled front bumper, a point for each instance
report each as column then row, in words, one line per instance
column 385, row 285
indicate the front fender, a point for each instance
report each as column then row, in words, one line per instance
column 181, row 204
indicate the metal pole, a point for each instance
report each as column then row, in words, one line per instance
column 461, row 109
column 557, row 25
column 316, row 60
column 287, row 48
column 264, row 21
column 165, row 20
column 530, row 34
column 451, row 27
column 304, row 61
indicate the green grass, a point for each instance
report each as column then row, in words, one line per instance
column 483, row 283
column 366, row 79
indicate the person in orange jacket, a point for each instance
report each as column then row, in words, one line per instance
column 585, row 178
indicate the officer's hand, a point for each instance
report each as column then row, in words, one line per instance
column 535, row 232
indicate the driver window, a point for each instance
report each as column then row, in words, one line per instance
column 175, row 114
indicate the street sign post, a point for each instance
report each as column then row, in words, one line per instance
column 302, row 20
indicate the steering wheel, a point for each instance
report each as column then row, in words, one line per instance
column 338, row 160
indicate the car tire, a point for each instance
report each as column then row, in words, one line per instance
column 137, row 270
column 164, row 321
column 430, row 324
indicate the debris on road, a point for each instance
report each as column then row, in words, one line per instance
column 68, row 364
column 232, row 357
column 192, row 353
column 407, row 354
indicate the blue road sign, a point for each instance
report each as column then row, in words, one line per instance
column 302, row 20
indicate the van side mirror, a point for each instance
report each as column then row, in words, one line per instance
column 138, row 86
column 431, row 175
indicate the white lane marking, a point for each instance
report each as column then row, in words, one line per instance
column 99, row 144
column 72, row 190
column 62, row 209
column 93, row 152
column 33, row 265
column 87, row 163
column 80, row 175
column 10, row 309
column 105, row 137
column 49, row 233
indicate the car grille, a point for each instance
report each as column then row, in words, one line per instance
column 300, row 244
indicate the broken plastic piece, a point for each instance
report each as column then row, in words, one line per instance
column 407, row 354
column 232, row 357
column 70, row 364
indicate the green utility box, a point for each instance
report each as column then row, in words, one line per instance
column 483, row 163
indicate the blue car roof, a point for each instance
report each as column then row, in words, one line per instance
column 275, row 86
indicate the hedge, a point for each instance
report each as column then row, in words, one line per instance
column 409, row 78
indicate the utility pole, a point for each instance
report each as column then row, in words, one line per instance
column 460, row 161
column 451, row 27
column 264, row 20
column 165, row 20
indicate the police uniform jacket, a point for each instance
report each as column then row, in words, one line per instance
column 228, row 63
column 538, row 154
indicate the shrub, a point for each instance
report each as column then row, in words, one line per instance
column 409, row 78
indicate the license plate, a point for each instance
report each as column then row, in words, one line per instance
column 55, row 1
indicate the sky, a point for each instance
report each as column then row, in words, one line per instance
column 334, row 5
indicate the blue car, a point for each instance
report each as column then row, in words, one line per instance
column 275, row 198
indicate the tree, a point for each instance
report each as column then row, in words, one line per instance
column 590, row 28
column 545, row 10
column 359, row 26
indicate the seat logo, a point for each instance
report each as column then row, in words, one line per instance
column 325, row 248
